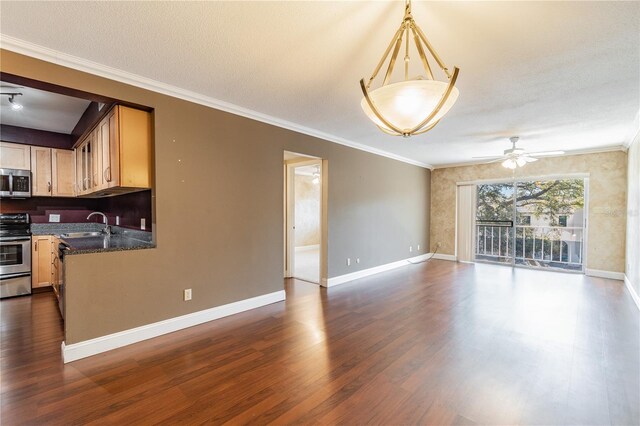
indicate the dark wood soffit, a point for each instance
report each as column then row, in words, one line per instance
column 27, row 136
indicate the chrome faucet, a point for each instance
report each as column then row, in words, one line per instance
column 107, row 228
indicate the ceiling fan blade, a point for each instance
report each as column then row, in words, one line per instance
column 528, row 159
column 495, row 161
column 488, row 157
column 545, row 153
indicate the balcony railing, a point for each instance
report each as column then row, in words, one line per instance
column 548, row 246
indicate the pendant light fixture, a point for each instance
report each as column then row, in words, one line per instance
column 415, row 105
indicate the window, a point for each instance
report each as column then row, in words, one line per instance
column 562, row 220
column 525, row 220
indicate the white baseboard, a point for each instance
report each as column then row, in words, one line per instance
column 450, row 257
column 308, row 248
column 101, row 344
column 604, row 274
column 341, row 279
column 632, row 291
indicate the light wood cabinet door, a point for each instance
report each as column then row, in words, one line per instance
column 63, row 173
column 41, row 171
column 109, row 148
column 41, row 261
column 134, row 140
column 15, row 156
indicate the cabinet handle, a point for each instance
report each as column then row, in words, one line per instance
column 48, row 186
column 109, row 178
column 36, row 246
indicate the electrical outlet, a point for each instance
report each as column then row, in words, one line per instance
column 410, row 249
column 187, row 294
column 358, row 260
column 418, row 247
column 54, row 218
column 117, row 220
column 348, row 261
column 143, row 223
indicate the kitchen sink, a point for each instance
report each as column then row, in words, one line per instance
column 82, row 234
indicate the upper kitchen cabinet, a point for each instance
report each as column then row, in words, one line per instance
column 115, row 157
column 15, row 156
column 53, row 172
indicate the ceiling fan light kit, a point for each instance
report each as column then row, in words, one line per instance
column 415, row 105
column 515, row 157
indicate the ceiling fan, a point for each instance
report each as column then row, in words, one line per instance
column 517, row 157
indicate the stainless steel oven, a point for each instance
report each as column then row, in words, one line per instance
column 15, row 255
column 15, row 183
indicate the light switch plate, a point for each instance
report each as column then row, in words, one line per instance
column 54, row 218
column 143, row 223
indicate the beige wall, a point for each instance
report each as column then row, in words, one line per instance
column 607, row 201
column 632, row 270
column 307, row 211
column 230, row 179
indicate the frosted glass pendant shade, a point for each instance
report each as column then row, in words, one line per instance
column 407, row 103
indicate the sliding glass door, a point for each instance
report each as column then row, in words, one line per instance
column 533, row 223
column 494, row 222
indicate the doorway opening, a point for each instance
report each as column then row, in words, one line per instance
column 305, row 218
column 535, row 223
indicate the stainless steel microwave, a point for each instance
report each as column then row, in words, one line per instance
column 15, row 183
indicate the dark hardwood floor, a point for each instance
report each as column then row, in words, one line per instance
column 436, row 343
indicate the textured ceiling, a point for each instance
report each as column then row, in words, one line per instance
column 42, row 110
column 561, row 75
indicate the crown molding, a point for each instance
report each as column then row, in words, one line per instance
column 66, row 60
column 634, row 133
column 610, row 148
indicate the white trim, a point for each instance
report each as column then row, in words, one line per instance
column 633, row 133
column 101, row 344
column 632, row 291
column 524, row 178
column 450, row 257
column 341, row 279
column 604, row 274
column 610, row 148
column 308, row 248
column 63, row 59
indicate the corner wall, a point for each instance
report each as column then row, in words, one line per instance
column 218, row 212
column 607, row 201
column 632, row 270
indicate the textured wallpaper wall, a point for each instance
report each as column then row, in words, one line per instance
column 607, row 201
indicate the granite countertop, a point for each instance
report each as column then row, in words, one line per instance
column 120, row 239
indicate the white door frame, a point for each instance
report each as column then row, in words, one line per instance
column 289, row 215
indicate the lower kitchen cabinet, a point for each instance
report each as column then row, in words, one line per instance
column 42, row 263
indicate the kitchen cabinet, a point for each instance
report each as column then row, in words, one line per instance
column 84, row 164
column 15, row 156
column 115, row 157
column 52, row 172
column 41, row 261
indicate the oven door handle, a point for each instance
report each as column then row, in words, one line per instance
column 10, row 183
column 13, row 239
column 11, row 276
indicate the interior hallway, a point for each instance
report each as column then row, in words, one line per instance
column 307, row 264
column 439, row 342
